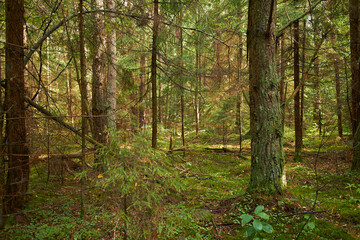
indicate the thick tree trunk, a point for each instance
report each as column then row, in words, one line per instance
column 153, row 74
column 18, row 167
column 267, row 158
column 354, row 12
column 111, row 69
column 98, row 78
column 297, row 113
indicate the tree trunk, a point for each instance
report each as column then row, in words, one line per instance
column 83, row 94
column 302, row 97
column 153, row 74
column 267, row 158
column 142, row 92
column 317, row 100
column 111, row 69
column 239, row 96
column 18, row 167
column 98, row 78
column 297, row 113
column 2, row 150
column 354, row 12
column 338, row 96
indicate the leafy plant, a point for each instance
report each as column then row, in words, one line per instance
column 256, row 224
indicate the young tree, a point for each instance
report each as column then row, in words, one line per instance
column 18, row 167
column 153, row 73
column 297, row 112
column 267, row 158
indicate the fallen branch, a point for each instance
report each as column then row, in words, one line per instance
column 223, row 149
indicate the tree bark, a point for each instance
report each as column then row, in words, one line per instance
column 354, row 12
column 111, row 69
column 297, row 113
column 18, row 167
column 267, row 158
column 153, row 74
column 98, row 78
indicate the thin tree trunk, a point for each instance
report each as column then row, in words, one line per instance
column 338, row 96
column 69, row 95
column 142, row 92
column 267, row 158
column 153, row 74
column 18, row 167
column 83, row 103
column 111, row 69
column 317, row 100
column 302, row 97
column 2, row 151
column 297, row 113
column 239, row 96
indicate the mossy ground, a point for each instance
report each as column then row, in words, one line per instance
column 212, row 198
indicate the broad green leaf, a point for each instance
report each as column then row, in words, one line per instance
column 259, row 209
column 249, row 232
column 310, row 225
column 257, row 225
column 267, row 228
column 263, row 215
column 245, row 218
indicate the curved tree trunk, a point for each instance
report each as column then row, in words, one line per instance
column 267, row 158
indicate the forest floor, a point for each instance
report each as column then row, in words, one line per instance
column 206, row 200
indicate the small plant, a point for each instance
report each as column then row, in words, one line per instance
column 256, row 223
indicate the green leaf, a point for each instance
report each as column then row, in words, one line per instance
column 310, row 225
column 249, row 232
column 257, row 225
column 245, row 218
column 267, row 228
column 263, row 215
column 259, row 209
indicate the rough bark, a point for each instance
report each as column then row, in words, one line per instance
column 354, row 12
column 267, row 158
column 302, row 94
column 239, row 96
column 18, row 167
column 153, row 74
column 111, row 68
column 98, row 77
column 2, row 150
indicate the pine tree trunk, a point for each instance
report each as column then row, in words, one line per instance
column 297, row 113
column 142, row 91
column 153, row 74
column 267, row 158
column 111, row 69
column 83, row 94
column 239, row 96
column 98, row 78
column 2, row 149
column 354, row 12
column 338, row 96
column 18, row 167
